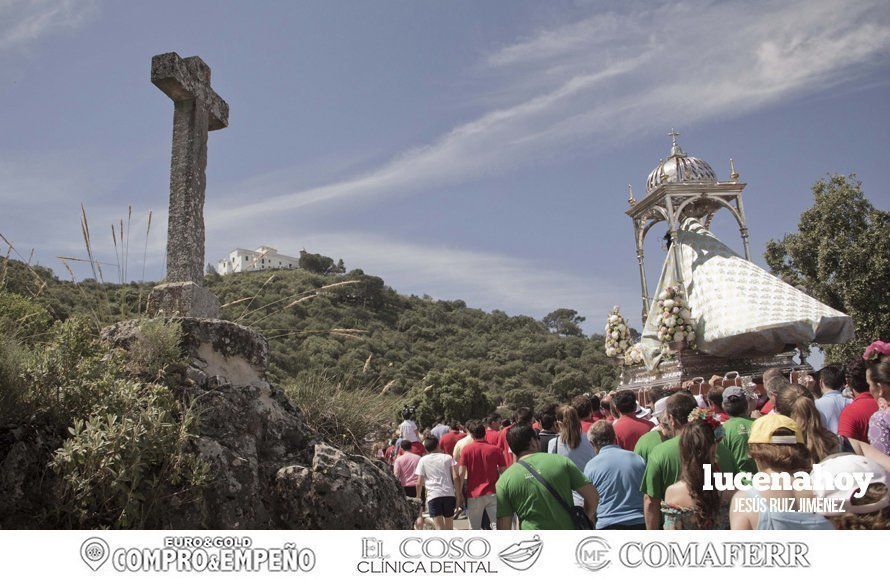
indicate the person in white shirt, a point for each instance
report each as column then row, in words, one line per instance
column 437, row 472
column 408, row 428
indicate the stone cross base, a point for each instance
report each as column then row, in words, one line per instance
column 185, row 299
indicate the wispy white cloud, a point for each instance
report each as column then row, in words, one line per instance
column 23, row 22
column 621, row 75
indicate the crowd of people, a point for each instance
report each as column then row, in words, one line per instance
column 641, row 460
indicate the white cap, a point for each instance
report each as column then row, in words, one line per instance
column 853, row 464
column 642, row 412
column 660, row 407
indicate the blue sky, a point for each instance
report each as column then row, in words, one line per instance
column 461, row 149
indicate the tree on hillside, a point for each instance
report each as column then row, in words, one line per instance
column 451, row 395
column 841, row 256
column 315, row 263
column 564, row 322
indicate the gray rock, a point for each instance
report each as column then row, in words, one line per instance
column 341, row 492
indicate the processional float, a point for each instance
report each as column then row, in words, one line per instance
column 713, row 311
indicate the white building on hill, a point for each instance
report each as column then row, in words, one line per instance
column 263, row 258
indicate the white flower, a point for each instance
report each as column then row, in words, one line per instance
column 668, row 303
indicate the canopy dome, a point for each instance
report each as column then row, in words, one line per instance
column 680, row 168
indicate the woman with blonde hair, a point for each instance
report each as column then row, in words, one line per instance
column 796, row 401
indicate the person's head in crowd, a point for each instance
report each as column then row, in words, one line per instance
column 857, row 376
column 776, row 444
column 545, row 409
column 583, row 406
column 677, row 410
column 524, row 415
column 878, row 376
column 506, row 422
column 569, row 426
column 600, row 435
column 476, row 429
column 594, row 405
column 408, row 413
column 625, row 402
column 715, row 398
column 493, row 422
column 698, row 446
column 522, row 439
column 431, row 444
column 831, row 378
column 735, row 402
column 796, row 402
column 405, row 445
column 548, row 422
column 774, row 384
column 606, row 405
column 868, row 512
column 453, row 425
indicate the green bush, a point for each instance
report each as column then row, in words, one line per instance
column 125, row 456
column 129, row 460
column 22, row 318
column 158, row 348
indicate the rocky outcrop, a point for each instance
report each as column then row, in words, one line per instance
column 340, row 492
column 268, row 470
column 25, row 481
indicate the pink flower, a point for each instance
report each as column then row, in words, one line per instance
column 874, row 351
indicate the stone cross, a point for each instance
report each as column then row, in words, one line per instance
column 197, row 109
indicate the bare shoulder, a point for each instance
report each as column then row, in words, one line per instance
column 677, row 495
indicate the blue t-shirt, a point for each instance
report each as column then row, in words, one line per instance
column 617, row 475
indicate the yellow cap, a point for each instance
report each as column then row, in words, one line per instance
column 764, row 427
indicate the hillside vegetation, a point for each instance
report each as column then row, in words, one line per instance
column 351, row 330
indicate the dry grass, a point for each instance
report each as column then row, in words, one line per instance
column 349, row 416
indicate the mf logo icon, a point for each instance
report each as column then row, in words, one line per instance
column 593, row 553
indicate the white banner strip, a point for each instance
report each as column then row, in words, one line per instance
column 464, row 553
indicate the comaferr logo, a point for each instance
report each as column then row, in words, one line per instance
column 714, row 555
column 593, row 553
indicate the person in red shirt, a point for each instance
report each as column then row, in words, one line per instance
column 480, row 465
column 628, row 428
column 450, row 439
column 492, row 427
column 853, row 421
column 588, row 408
column 524, row 416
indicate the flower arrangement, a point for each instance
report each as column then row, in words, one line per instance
column 675, row 322
column 709, row 417
column 876, row 350
column 634, row 355
column 617, row 334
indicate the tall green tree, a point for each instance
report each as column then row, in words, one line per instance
column 451, row 395
column 840, row 255
column 564, row 322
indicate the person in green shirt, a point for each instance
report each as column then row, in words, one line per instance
column 663, row 465
column 520, row 494
column 648, row 441
column 737, row 428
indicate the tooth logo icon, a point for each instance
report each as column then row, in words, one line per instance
column 94, row 552
column 522, row 555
